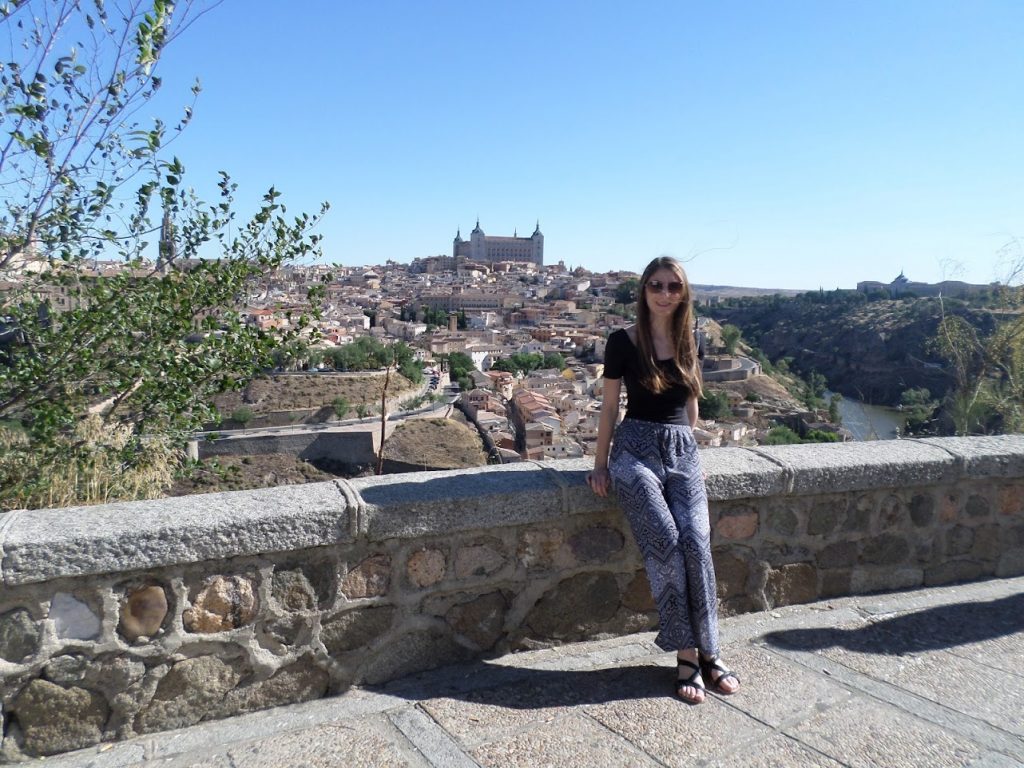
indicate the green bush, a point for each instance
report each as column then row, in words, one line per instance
column 341, row 407
column 919, row 409
column 782, row 436
column 713, row 405
column 243, row 415
column 369, row 354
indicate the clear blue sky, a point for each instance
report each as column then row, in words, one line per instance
column 786, row 144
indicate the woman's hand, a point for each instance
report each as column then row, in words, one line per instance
column 599, row 481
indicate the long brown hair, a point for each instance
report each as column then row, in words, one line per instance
column 684, row 345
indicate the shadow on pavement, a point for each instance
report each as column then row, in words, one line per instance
column 944, row 626
column 524, row 688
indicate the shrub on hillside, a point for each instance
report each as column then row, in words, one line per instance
column 782, row 436
column 95, row 464
column 713, row 405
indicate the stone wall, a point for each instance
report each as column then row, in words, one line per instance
column 729, row 368
column 130, row 618
column 350, row 445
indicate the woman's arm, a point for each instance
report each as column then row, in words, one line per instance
column 691, row 411
column 599, row 479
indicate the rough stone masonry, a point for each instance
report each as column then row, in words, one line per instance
column 130, row 618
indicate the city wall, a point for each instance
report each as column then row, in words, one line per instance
column 354, row 445
column 136, row 617
column 729, row 368
column 351, row 443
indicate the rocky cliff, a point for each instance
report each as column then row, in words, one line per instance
column 869, row 350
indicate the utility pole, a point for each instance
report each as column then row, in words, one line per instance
column 384, row 414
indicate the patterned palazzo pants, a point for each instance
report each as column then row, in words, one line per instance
column 658, row 478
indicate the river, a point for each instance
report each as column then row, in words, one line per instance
column 869, row 422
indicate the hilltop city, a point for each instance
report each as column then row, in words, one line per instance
column 493, row 299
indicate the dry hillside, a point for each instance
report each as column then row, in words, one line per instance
column 311, row 390
column 436, row 444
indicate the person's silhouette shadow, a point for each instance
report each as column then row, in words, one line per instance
column 943, row 626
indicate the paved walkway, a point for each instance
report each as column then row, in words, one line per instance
column 925, row 678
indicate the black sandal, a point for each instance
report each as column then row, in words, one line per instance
column 694, row 680
column 709, row 666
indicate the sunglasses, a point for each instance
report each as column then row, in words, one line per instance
column 674, row 288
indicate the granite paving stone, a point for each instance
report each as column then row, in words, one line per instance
column 994, row 760
column 361, row 744
column 677, row 734
column 949, row 678
column 572, row 741
column 999, row 654
column 776, row 751
column 878, row 666
column 969, row 728
column 967, row 686
column 867, row 734
column 768, row 683
column 429, row 738
column 597, row 657
column 104, row 756
column 475, row 719
column 541, row 698
column 194, row 761
column 202, row 738
column 956, row 623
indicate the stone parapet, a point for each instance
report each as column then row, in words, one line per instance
column 42, row 545
column 134, row 617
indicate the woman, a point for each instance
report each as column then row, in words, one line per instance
column 657, row 474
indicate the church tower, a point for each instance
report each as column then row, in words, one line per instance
column 477, row 244
column 537, row 256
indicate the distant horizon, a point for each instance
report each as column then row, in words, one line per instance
column 693, row 284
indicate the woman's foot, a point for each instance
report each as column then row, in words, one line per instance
column 720, row 677
column 689, row 684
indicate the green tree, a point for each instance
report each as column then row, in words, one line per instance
column 341, row 406
column 713, row 405
column 958, row 342
column 369, row 354
column 820, row 436
column 833, row 409
column 762, row 358
column 1004, row 353
column 782, row 436
column 918, row 410
column 459, row 366
column 553, row 360
column 436, row 317
column 146, row 350
column 314, row 358
column 504, row 364
column 528, row 361
column 730, row 338
column 525, row 362
column 986, row 368
column 625, row 292
column 814, row 389
column 243, row 415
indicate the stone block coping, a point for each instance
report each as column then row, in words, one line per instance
column 41, row 545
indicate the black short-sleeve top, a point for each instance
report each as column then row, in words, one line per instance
column 622, row 361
